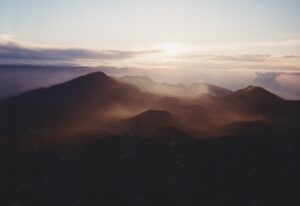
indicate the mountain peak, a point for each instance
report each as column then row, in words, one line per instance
column 154, row 114
column 255, row 92
column 153, row 117
column 95, row 76
column 90, row 81
column 149, row 123
column 252, row 88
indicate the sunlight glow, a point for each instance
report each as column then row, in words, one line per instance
column 173, row 49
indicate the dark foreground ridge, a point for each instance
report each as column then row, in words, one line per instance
column 249, row 170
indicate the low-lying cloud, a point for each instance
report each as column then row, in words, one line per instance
column 287, row 85
column 12, row 51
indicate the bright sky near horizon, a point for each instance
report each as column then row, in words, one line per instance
column 127, row 24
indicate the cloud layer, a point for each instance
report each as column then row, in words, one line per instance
column 12, row 51
column 286, row 85
column 17, row 52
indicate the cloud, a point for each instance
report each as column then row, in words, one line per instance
column 279, row 47
column 244, row 58
column 12, row 51
column 267, row 80
column 287, row 85
column 235, row 58
column 291, row 56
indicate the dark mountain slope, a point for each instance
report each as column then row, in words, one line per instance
column 255, row 94
column 88, row 101
column 152, row 124
column 120, row 170
column 257, row 100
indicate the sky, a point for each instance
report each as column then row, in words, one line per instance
column 231, row 27
column 130, row 23
column 216, row 38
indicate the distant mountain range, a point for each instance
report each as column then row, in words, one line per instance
column 96, row 104
column 148, row 85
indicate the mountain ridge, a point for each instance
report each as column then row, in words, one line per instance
column 95, row 103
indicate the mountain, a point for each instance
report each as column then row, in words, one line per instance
column 152, row 123
column 258, row 101
column 148, row 85
column 20, row 78
column 90, row 102
column 96, row 105
column 256, row 94
column 208, row 116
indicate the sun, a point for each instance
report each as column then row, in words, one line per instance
column 172, row 49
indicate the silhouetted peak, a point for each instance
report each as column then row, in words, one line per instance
column 255, row 92
column 91, row 81
column 95, row 76
column 252, row 89
column 148, row 123
column 154, row 114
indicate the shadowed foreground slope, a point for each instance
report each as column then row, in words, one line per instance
column 241, row 170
